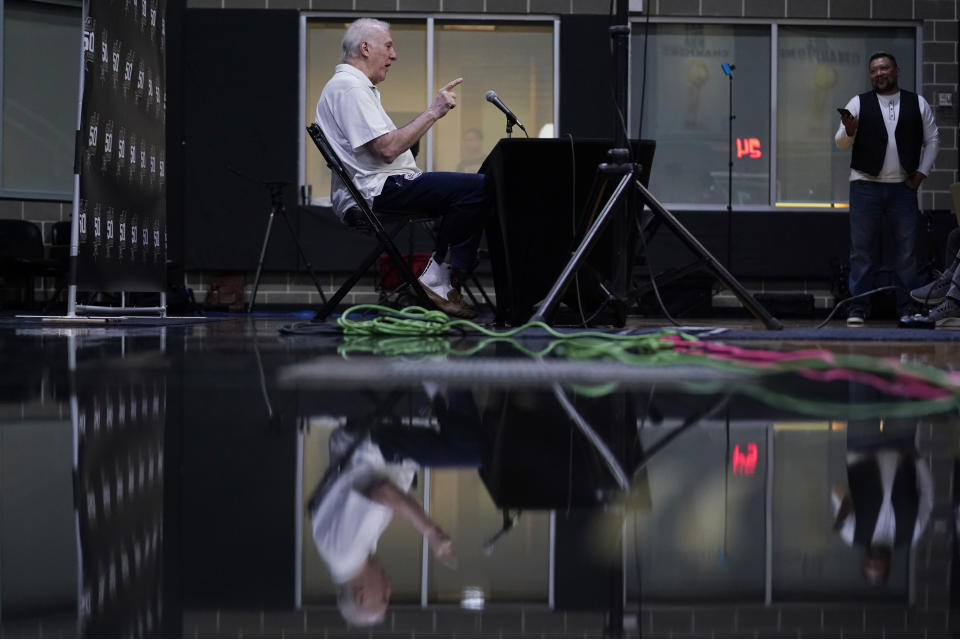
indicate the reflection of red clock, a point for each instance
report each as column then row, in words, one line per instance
column 749, row 147
column 745, row 464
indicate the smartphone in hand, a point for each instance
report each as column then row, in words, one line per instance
column 844, row 112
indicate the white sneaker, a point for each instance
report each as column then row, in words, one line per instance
column 855, row 317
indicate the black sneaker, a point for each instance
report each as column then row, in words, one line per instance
column 856, row 317
column 933, row 293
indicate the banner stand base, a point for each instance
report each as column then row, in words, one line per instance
column 73, row 308
column 86, row 308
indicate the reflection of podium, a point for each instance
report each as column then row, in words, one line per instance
column 537, row 458
column 542, row 186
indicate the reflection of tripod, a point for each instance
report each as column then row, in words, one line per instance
column 628, row 186
column 277, row 207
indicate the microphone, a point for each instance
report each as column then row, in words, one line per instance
column 494, row 99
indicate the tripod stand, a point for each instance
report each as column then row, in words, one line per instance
column 629, row 185
column 277, row 208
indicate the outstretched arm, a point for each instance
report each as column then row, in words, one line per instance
column 387, row 494
column 392, row 144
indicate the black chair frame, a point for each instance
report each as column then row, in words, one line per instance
column 384, row 237
column 22, row 259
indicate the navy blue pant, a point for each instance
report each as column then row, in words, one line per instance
column 461, row 201
column 870, row 204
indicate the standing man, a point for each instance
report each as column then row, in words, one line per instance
column 895, row 141
column 377, row 155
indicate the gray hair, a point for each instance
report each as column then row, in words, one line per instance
column 352, row 614
column 359, row 31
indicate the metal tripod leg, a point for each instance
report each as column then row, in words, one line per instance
column 263, row 252
column 274, row 210
column 745, row 297
column 303, row 256
column 589, row 239
column 613, row 465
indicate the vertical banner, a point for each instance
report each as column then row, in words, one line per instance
column 122, row 147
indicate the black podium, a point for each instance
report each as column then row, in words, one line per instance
column 542, row 187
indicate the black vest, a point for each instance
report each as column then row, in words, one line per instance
column 866, row 491
column 870, row 145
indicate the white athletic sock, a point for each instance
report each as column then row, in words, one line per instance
column 436, row 277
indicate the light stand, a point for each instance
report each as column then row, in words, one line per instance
column 277, row 208
column 728, row 71
column 631, row 194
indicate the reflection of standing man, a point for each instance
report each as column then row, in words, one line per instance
column 887, row 505
column 895, row 141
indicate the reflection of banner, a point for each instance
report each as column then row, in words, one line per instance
column 119, row 501
column 122, row 209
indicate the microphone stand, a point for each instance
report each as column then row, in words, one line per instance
column 728, row 71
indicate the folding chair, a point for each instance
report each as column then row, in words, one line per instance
column 22, row 259
column 363, row 217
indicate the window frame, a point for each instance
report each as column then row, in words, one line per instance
column 637, row 25
column 21, row 194
column 430, row 20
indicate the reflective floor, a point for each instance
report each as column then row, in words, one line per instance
column 223, row 479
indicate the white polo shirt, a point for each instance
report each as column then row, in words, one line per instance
column 350, row 114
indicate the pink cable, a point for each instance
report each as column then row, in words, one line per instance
column 904, row 383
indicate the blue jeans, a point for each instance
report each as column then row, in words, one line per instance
column 871, row 204
column 462, row 202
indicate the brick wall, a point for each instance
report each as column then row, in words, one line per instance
column 533, row 621
column 741, row 621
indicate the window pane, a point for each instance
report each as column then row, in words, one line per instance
column 686, row 110
column 516, row 61
column 703, row 536
column 403, row 93
column 819, row 70
column 40, row 117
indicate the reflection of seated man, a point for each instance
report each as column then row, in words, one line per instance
column 349, row 512
column 887, row 505
column 471, row 151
